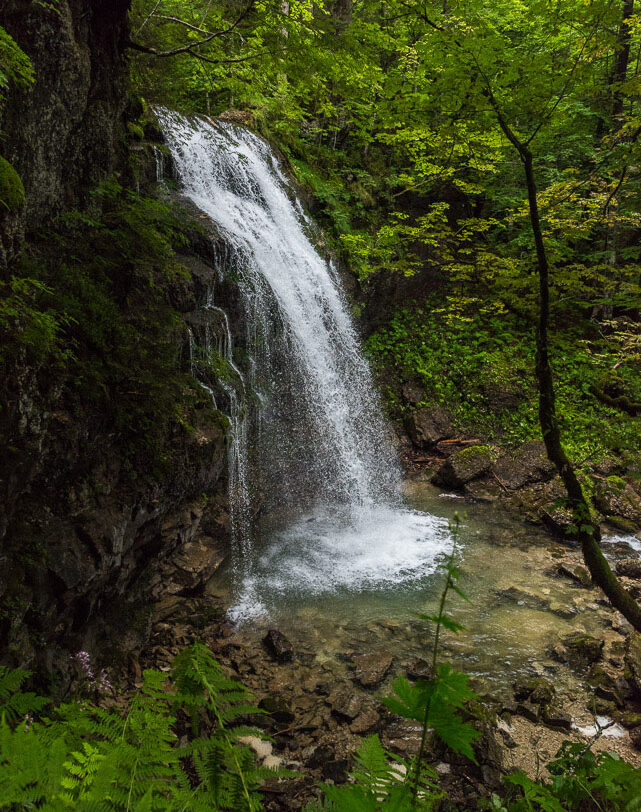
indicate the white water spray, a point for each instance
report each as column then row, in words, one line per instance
column 319, row 450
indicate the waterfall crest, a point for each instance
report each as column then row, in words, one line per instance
column 316, row 450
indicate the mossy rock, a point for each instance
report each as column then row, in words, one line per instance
column 633, row 661
column 464, row 466
column 583, row 649
column 135, row 131
column 535, row 689
column 12, row 194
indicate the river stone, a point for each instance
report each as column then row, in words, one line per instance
column 464, row 466
column 629, row 568
column 556, row 719
column 521, row 597
column 604, row 685
column 524, row 467
column 578, row 574
column 364, row 721
column 419, row 669
column 345, row 703
column 583, row 649
column 427, row 425
column 277, row 708
column 370, row 669
column 534, row 689
column 278, row 646
column 633, row 661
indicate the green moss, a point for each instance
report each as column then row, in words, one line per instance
column 12, row 194
column 136, row 131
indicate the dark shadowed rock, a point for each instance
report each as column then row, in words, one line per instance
column 427, row 425
column 277, row 708
column 464, row 466
column 556, row 719
column 278, row 646
column 419, row 669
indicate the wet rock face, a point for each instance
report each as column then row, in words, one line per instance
column 63, row 130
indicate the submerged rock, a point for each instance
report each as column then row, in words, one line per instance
column 278, row 646
column 534, row 689
column 370, row 669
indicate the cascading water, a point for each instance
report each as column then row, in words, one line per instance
column 315, row 446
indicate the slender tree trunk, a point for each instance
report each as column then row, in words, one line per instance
column 588, row 531
column 621, row 58
column 619, row 71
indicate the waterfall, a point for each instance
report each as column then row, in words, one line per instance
column 314, row 444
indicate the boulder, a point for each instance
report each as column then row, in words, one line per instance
column 524, row 467
column 464, row 466
column 616, row 499
column 427, row 425
column 556, row 719
column 278, row 646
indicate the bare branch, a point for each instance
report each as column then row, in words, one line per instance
column 189, row 48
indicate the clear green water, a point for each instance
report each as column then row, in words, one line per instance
column 328, row 612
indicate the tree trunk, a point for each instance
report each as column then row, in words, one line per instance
column 588, row 531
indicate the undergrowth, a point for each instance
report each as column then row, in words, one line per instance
column 481, row 367
column 176, row 745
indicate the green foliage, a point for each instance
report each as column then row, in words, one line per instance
column 579, row 779
column 480, row 364
column 94, row 298
column 85, row 757
column 15, row 65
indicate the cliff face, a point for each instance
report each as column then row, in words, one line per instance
column 63, row 132
column 100, row 511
